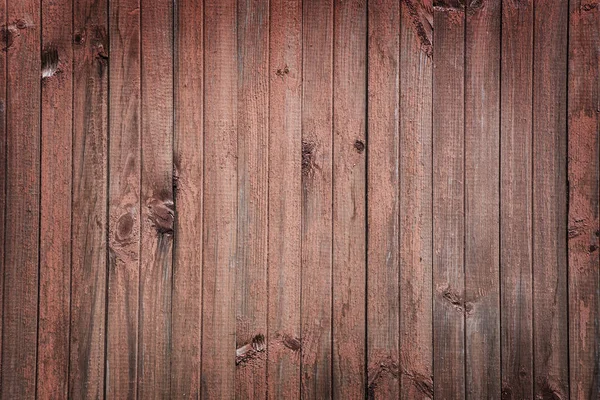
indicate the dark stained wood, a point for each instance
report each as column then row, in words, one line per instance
column 317, row 229
column 188, row 192
column 220, row 203
column 285, row 163
column 55, row 224
column 383, row 194
column 23, row 49
column 449, row 304
column 583, row 223
column 124, row 203
column 516, row 200
column 349, row 198
column 416, row 67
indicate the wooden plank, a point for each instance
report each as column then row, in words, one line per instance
column 317, row 36
column 56, row 178
column 449, row 304
column 583, row 175
column 3, row 156
column 23, row 49
column 416, row 74
column 383, row 193
column 482, row 199
column 550, row 200
column 349, row 198
column 220, row 202
column 90, row 134
column 188, row 192
column 124, row 203
column 285, row 163
column 516, row 200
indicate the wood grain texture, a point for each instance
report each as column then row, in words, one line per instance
column 416, row 67
column 220, row 203
column 449, row 305
column 188, row 191
column 3, row 157
column 516, row 201
column 349, row 198
column 124, row 200
column 21, row 251
column 383, row 193
column 583, row 222
column 317, row 229
column 55, row 224
column 285, row 213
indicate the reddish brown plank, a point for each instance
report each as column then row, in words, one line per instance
column 56, row 175
column 3, row 155
column 515, row 200
column 220, row 202
column 583, row 175
column 188, row 191
column 285, row 139
column 23, row 49
column 416, row 67
column 383, row 193
column 124, row 203
column 317, row 36
column 449, row 304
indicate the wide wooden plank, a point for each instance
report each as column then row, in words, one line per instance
column 482, row 199
column 22, row 45
column 383, row 193
column 449, row 305
column 349, row 198
column 584, row 224
column 220, row 202
column 124, row 200
column 416, row 74
column 516, row 200
column 55, row 224
column 285, row 163
column 188, row 191
column 317, row 36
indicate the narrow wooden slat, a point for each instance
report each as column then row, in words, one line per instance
column 482, row 199
column 317, row 36
column 416, row 325
column 551, row 340
column 383, row 193
column 449, row 304
column 23, row 49
column 56, row 175
column 515, row 200
column 188, row 191
column 285, row 163
column 220, row 202
column 3, row 157
column 124, row 202
column 583, row 174
column 349, row 198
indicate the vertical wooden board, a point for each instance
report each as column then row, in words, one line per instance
column 253, row 158
column 416, row 325
column 516, row 201
column 220, row 202
column 317, row 36
column 55, row 224
column 23, row 50
column 383, row 193
column 90, row 134
column 349, row 198
column 482, row 200
column 449, row 304
column 188, row 192
column 583, row 228
column 124, row 201
column 285, row 163
column 550, row 200
column 3, row 155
